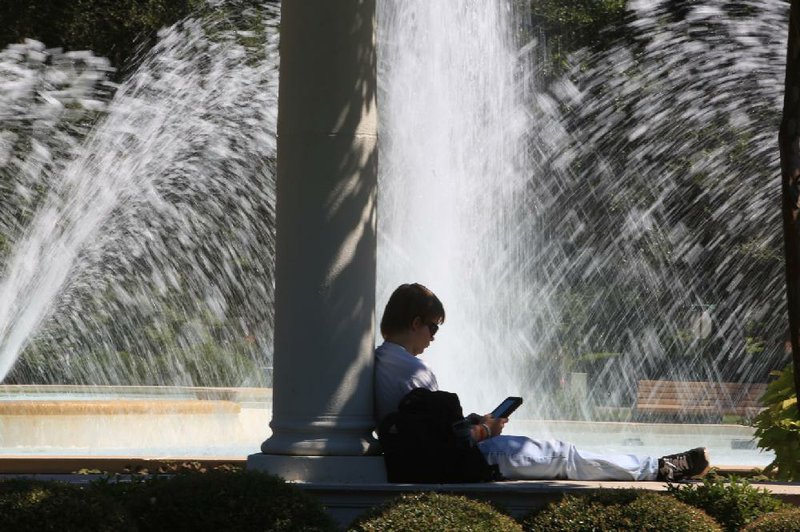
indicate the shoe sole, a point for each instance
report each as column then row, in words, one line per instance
column 708, row 465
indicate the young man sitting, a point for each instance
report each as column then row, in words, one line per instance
column 408, row 326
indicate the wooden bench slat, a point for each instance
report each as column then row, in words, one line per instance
column 697, row 384
column 697, row 397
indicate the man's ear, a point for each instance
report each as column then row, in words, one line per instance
column 416, row 323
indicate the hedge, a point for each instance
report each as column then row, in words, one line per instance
column 214, row 501
column 620, row 510
column 434, row 512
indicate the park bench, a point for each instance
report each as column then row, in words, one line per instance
column 696, row 401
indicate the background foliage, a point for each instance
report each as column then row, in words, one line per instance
column 112, row 29
column 778, row 427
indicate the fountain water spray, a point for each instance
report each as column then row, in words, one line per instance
column 162, row 214
column 576, row 228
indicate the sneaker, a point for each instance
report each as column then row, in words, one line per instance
column 684, row 465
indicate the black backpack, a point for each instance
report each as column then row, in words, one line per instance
column 427, row 441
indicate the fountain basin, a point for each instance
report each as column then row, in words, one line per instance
column 181, row 423
column 141, row 422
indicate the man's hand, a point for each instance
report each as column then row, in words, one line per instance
column 485, row 427
column 495, row 424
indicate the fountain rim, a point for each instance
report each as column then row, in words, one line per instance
column 93, row 392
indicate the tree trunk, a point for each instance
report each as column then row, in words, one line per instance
column 789, row 140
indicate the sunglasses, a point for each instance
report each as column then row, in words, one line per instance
column 432, row 327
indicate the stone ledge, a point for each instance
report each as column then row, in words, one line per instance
column 325, row 470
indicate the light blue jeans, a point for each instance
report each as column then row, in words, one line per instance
column 522, row 458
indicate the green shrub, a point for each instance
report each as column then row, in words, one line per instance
column 214, row 501
column 732, row 503
column 786, row 520
column 218, row 502
column 778, row 427
column 574, row 514
column 431, row 512
column 620, row 510
column 42, row 506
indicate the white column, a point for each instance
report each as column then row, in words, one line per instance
column 326, row 235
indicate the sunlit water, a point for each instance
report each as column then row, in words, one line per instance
column 615, row 224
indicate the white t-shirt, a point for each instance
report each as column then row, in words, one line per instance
column 397, row 372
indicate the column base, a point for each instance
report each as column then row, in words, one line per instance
column 338, row 469
column 322, row 436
